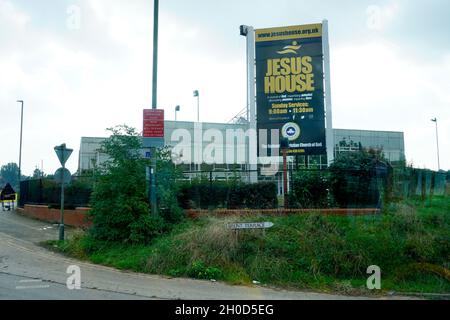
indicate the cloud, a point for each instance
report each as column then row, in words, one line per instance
column 77, row 82
column 375, row 86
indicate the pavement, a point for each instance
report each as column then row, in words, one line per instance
column 29, row 271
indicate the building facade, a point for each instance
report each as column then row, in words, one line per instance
column 222, row 149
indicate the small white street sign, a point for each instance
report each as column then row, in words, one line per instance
column 255, row 225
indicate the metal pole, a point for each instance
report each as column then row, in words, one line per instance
column 437, row 142
column 155, row 54
column 153, row 203
column 20, row 151
column 61, row 225
column 198, row 107
column 327, row 78
column 251, row 102
column 285, row 182
column 153, row 198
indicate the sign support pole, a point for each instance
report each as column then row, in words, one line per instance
column 155, row 53
column 63, row 154
column 285, row 177
column 153, row 201
column 61, row 225
column 328, row 104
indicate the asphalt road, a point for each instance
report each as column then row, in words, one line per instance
column 28, row 271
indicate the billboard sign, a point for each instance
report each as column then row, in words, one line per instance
column 290, row 88
column 153, row 132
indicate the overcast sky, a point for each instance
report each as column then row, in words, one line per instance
column 85, row 65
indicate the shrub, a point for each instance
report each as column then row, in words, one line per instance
column 203, row 194
column 310, row 190
column 146, row 228
column 355, row 178
column 119, row 201
column 199, row 270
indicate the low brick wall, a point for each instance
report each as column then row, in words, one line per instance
column 282, row 212
column 78, row 218
column 75, row 218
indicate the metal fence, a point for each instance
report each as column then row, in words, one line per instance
column 402, row 184
column 48, row 192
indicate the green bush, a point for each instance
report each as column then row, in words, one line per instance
column 146, row 228
column 310, row 190
column 203, row 194
column 199, row 270
column 120, row 208
column 357, row 178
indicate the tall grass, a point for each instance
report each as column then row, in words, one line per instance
column 410, row 243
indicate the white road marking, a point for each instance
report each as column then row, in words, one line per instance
column 29, row 281
column 32, row 287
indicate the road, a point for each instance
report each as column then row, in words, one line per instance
column 28, row 271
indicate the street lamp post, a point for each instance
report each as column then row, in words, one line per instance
column 197, row 95
column 177, row 109
column 153, row 196
column 20, row 150
column 155, row 54
column 437, row 143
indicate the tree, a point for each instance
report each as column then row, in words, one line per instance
column 354, row 177
column 9, row 173
column 120, row 204
column 38, row 174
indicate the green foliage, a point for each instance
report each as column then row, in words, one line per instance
column 9, row 173
column 168, row 187
column 310, row 190
column 146, row 227
column 410, row 244
column 199, row 270
column 120, row 205
column 355, row 180
column 119, row 200
column 206, row 194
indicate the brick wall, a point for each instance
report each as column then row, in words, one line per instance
column 77, row 218
column 282, row 212
column 74, row 218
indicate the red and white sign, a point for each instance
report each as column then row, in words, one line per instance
column 153, row 123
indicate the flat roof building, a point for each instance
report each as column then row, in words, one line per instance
column 232, row 145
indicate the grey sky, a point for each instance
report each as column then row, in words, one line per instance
column 390, row 67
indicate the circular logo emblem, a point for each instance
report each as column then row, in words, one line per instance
column 291, row 131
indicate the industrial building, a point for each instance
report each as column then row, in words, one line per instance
column 233, row 157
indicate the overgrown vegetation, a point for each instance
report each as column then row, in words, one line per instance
column 410, row 243
column 120, row 205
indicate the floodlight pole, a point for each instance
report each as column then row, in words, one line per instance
column 328, row 102
column 249, row 33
